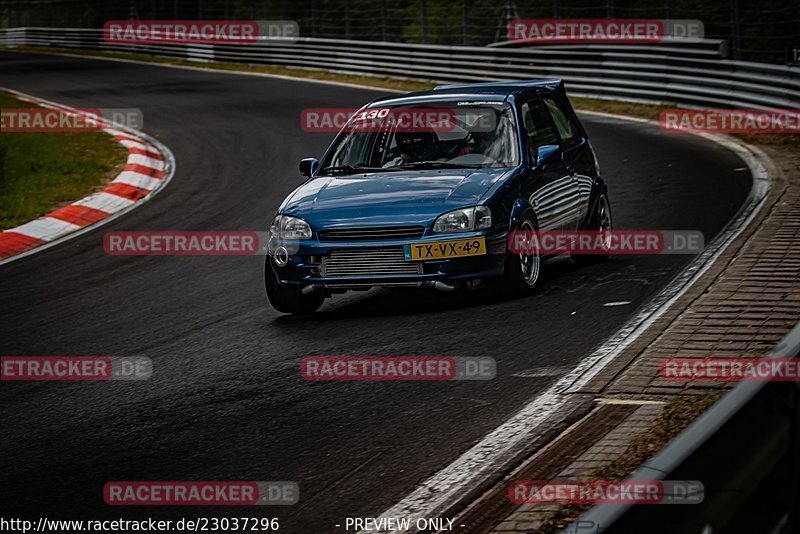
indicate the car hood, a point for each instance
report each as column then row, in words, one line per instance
column 387, row 198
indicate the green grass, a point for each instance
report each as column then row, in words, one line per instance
column 40, row 172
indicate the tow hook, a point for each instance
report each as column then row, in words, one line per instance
column 440, row 286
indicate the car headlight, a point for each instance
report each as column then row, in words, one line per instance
column 287, row 227
column 464, row 220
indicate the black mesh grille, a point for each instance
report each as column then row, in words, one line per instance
column 364, row 234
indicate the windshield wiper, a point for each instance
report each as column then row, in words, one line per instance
column 435, row 165
column 349, row 168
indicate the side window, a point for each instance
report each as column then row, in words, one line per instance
column 566, row 128
column 538, row 127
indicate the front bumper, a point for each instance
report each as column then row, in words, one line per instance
column 305, row 261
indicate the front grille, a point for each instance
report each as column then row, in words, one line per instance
column 384, row 232
column 367, row 263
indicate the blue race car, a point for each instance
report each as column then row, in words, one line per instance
column 401, row 199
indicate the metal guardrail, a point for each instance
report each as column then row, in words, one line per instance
column 708, row 48
column 652, row 74
column 746, row 452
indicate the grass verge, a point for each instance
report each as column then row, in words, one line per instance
column 40, row 172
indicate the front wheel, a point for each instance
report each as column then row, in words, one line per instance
column 290, row 299
column 600, row 221
column 522, row 270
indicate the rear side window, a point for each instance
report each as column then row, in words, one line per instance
column 566, row 127
column 538, row 127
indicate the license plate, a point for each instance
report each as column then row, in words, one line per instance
column 457, row 248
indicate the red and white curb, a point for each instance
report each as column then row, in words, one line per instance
column 149, row 168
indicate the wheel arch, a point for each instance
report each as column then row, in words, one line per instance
column 520, row 209
column 598, row 189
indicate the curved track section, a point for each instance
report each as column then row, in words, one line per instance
column 226, row 401
column 148, row 169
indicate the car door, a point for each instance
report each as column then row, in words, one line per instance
column 578, row 163
column 550, row 186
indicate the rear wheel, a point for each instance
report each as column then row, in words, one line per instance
column 599, row 222
column 290, row 299
column 522, row 270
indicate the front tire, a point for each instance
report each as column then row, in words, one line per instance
column 599, row 222
column 522, row 270
column 289, row 299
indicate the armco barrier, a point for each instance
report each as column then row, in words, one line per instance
column 705, row 48
column 746, row 452
column 652, row 74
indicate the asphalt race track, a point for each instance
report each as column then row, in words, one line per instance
column 226, row 400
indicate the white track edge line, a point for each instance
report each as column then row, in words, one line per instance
column 476, row 465
column 629, row 332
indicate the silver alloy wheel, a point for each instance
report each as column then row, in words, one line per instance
column 604, row 221
column 529, row 263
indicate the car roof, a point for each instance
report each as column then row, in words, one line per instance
column 505, row 86
column 499, row 90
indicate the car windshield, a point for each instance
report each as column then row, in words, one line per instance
column 430, row 135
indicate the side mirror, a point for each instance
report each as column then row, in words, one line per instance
column 548, row 154
column 308, row 166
